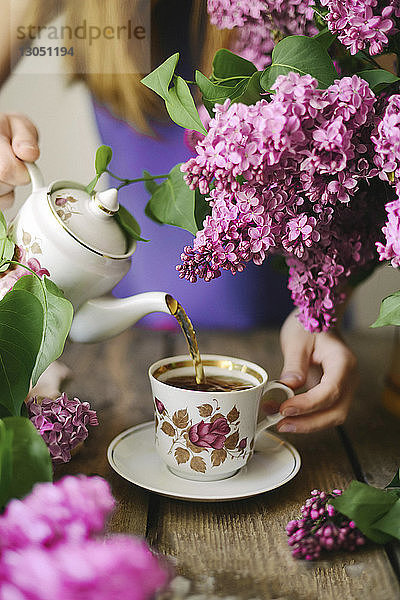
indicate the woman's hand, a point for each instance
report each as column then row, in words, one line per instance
column 327, row 367
column 18, row 142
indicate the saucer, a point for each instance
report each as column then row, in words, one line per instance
column 132, row 454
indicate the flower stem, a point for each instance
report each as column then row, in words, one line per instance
column 232, row 78
column 127, row 181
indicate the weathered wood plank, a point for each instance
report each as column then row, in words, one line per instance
column 240, row 547
column 374, row 432
column 368, row 419
column 112, row 376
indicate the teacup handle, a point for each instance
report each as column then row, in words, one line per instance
column 270, row 420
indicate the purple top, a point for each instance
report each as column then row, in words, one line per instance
column 257, row 296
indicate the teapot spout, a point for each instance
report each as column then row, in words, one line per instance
column 107, row 316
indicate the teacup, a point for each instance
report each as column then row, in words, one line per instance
column 209, row 435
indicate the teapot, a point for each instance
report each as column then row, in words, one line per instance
column 74, row 236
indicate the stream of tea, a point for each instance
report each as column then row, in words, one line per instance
column 186, row 325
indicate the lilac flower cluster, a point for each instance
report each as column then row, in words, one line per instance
column 391, row 249
column 48, row 547
column 321, row 527
column 362, row 24
column 15, row 272
column 62, row 422
column 301, row 158
column 262, row 23
column 387, row 159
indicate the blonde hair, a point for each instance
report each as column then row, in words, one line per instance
column 111, row 82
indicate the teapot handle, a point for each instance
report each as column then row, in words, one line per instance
column 36, row 176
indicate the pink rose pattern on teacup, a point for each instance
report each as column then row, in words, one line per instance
column 215, row 433
column 210, row 435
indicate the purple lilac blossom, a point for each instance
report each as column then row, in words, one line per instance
column 261, row 23
column 302, row 157
column 11, row 276
column 48, row 549
column 62, row 422
column 321, row 528
column 387, row 159
column 391, row 249
column 363, row 24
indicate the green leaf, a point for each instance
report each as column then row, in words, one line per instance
column 227, row 64
column 6, row 471
column 150, row 184
column 201, row 208
column 213, row 93
column 378, row 79
column 390, row 523
column 302, row 55
column 7, row 248
column 366, row 505
column 251, row 91
column 173, row 202
column 21, row 329
column 57, row 319
column 103, row 159
column 3, row 225
column 390, row 311
column 128, row 224
column 160, row 79
column 247, row 90
column 27, row 458
column 325, row 38
column 90, row 187
column 181, row 107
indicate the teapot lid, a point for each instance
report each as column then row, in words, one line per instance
column 88, row 218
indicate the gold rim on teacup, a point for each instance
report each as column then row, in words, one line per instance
column 226, row 364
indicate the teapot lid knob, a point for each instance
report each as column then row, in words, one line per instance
column 107, row 201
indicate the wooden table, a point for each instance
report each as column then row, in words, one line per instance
column 239, row 548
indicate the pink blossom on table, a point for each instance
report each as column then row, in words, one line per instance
column 118, row 567
column 322, row 528
column 70, row 419
column 69, row 510
column 210, row 435
column 391, row 249
column 15, row 272
column 363, row 24
column 49, row 547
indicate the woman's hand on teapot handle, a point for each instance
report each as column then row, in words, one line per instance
column 18, row 142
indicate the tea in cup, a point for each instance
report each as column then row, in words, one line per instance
column 207, row 431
